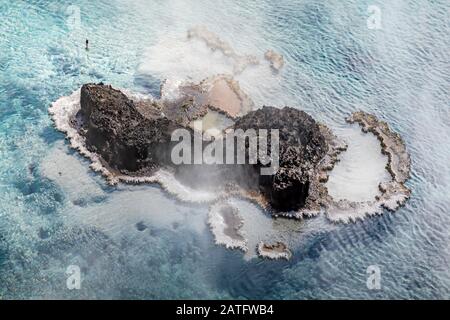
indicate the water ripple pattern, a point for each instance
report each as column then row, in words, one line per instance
column 137, row 241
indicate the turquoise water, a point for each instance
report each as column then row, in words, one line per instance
column 138, row 242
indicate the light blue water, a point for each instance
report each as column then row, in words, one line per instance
column 54, row 212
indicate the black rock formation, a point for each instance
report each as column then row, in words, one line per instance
column 135, row 138
column 127, row 139
column 301, row 147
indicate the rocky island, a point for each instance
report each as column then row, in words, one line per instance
column 134, row 139
column 129, row 139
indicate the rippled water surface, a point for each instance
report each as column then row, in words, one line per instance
column 138, row 242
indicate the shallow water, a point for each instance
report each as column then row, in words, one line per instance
column 360, row 169
column 137, row 241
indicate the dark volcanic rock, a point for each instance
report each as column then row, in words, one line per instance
column 135, row 139
column 302, row 146
column 127, row 139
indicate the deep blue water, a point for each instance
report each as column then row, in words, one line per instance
column 55, row 212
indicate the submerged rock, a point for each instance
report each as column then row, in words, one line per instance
column 215, row 43
column 276, row 60
column 226, row 223
column 275, row 251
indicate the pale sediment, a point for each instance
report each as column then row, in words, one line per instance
column 226, row 223
column 225, row 94
column 275, row 251
column 393, row 193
